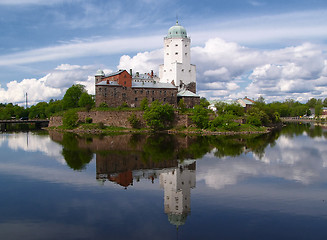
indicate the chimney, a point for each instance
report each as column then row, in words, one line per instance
column 152, row 73
column 131, row 72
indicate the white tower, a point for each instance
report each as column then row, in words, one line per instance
column 177, row 67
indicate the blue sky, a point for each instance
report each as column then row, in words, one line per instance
column 275, row 49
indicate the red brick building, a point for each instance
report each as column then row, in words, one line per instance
column 119, row 87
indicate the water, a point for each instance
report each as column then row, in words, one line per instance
column 61, row 186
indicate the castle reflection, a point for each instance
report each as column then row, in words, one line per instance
column 177, row 180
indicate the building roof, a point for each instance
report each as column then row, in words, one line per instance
column 245, row 101
column 153, row 84
column 115, row 73
column 177, row 31
column 105, row 83
column 186, row 93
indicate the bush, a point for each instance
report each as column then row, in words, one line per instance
column 144, row 104
column 101, row 125
column 124, row 105
column 253, row 120
column 182, row 106
column 134, row 121
column 159, row 116
column 200, row 116
column 103, row 105
column 70, row 119
column 88, row 120
column 226, row 122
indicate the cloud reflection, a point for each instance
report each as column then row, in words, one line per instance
column 30, row 142
column 299, row 159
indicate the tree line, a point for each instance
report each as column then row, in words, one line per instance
column 75, row 96
column 159, row 116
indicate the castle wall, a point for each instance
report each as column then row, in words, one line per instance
column 118, row 118
column 115, row 95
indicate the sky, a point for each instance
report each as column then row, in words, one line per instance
column 274, row 49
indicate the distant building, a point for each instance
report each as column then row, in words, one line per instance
column 246, row 103
column 177, row 78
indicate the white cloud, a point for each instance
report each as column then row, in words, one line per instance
column 53, row 85
column 102, row 47
column 142, row 62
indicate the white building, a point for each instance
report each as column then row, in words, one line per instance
column 177, row 68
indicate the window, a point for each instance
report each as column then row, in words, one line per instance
column 136, row 99
column 186, row 54
column 125, row 82
column 185, row 45
column 176, row 53
column 182, row 70
column 167, row 53
column 153, row 101
column 167, row 45
column 164, row 99
column 135, row 91
column 176, row 45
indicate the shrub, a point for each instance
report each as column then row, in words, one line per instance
column 103, row 105
column 88, row 120
column 182, row 106
column 124, row 105
column 134, row 121
column 253, row 120
column 144, row 104
column 70, row 119
column 159, row 116
column 200, row 116
column 101, row 125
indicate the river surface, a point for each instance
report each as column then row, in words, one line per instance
column 63, row 186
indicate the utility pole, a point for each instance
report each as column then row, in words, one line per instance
column 26, row 101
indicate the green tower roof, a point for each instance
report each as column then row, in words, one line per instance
column 177, row 31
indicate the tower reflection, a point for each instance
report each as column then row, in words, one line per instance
column 177, row 184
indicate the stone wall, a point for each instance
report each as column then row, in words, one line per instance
column 118, row 118
column 116, row 95
column 55, row 121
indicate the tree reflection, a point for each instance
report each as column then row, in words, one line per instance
column 76, row 157
column 160, row 148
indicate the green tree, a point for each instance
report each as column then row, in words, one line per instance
column 325, row 102
column 72, row 96
column 204, row 102
column 200, row 116
column 144, row 103
column 70, row 119
column 182, row 106
column 134, row 121
column 86, row 100
column 159, row 116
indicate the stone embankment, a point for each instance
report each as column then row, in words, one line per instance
column 118, row 118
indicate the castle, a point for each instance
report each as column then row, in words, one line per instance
column 176, row 81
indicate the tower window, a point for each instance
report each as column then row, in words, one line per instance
column 167, row 53
column 167, row 45
column 176, row 45
column 176, row 53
